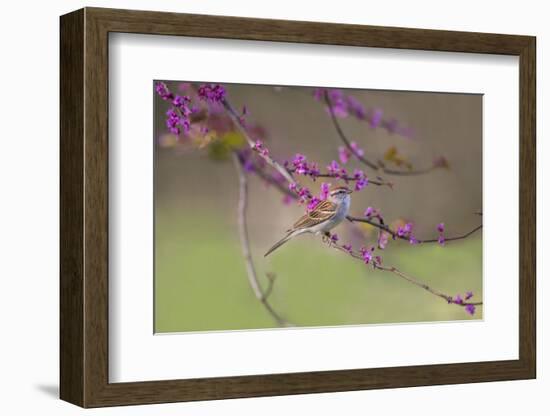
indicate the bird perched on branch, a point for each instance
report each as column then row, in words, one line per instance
column 323, row 218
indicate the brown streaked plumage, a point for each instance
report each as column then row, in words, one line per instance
column 322, row 212
column 326, row 215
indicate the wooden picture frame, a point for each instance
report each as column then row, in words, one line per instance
column 84, row 207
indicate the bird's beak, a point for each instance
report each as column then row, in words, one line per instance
column 349, row 191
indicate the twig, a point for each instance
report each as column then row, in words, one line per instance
column 404, row 276
column 459, row 237
column 424, row 286
column 245, row 245
column 240, row 126
column 394, row 234
column 360, row 157
column 266, row 177
column 347, row 178
column 271, row 279
column 343, row 136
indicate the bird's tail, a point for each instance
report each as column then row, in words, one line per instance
column 280, row 243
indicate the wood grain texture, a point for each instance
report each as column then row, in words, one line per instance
column 84, row 207
column 527, row 208
column 71, row 212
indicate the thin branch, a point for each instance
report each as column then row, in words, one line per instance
column 360, row 157
column 424, row 286
column 394, row 234
column 242, row 129
column 458, row 237
column 266, row 177
column 406, row 172
column 344, row 138
column 245, row 245
column 404, row 276
column 346, row 178
column 271, row 279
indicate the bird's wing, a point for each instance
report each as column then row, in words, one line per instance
column 324, row 211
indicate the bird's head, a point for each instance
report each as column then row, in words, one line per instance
column 339, row 193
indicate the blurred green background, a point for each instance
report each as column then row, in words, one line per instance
column 200, row 278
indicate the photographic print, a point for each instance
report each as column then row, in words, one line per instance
column 291, row 206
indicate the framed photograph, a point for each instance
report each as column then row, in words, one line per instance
column 260, row 207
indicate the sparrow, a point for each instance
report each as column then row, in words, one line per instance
column 323, row 218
